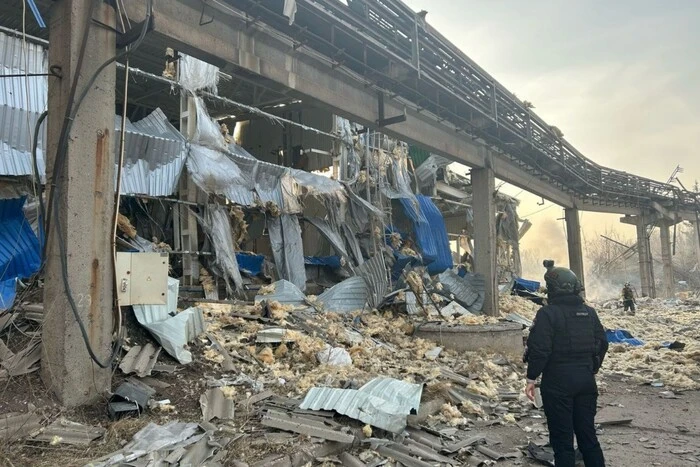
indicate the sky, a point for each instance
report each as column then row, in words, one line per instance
column 620, row 78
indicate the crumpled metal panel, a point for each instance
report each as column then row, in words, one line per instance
column 217, row 225
column 154, row 155
column 373, row 271
column 331, row 234
column 468, row 291
column 382, row 402
column 285, row 292
column 346, row 297
column 353, row 244
column 287, row 248
column 64, row 431
column 140, row 360
column 172, row 332
column 428, row 169
column 22, row 100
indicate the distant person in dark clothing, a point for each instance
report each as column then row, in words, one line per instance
column 628, row 298
column 567, row 345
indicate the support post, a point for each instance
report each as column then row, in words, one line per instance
column 573, row 237
column 666, row 259
column 84, row 191
column 696, row 240
column 646, row 271
column 483, row 190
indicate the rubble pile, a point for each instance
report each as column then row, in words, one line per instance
column 658, row 323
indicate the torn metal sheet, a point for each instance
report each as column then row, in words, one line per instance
column 202, row 452
column 465, row 443
column 468, row 291
column 331, row 234
column 382, row 402
column 14, row 426
column 24, row 361
column 306, row 426
column 284, row 292
column 427, row 171
column 346, row 297
column 154, row 155
column 174, row 332
column 516, row 318
column 353, row 244
column 215, row 404
column 403, row 457
column 288, row 249
column 131, row 391
column 150, row 439
column 270, row 336
column 64, row 431
column 217, row 225
column 196, row 75
column 140, row 360
column 454, row 308
column 374, row 273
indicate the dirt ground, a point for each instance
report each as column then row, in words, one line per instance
column 656, row 436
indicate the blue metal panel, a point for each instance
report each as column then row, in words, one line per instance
column 430, row 231
column 524, row 284
column 250, row 264
column 19, row 246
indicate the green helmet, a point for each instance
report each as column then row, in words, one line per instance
column 560, row 281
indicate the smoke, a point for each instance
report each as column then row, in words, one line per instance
column 546, row 240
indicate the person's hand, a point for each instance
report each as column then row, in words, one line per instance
column 530, row 391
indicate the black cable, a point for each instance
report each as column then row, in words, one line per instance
column 42, row 209
column 60, row 161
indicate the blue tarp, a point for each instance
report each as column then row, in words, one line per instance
column 431, row 234
column 329, row 261
column 621, row 336
column 250, row 264
column 524, row 284
column 20, row 254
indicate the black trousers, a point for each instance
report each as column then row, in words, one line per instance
column 629, row 305
column 569, row 395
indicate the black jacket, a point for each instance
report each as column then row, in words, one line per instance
column 543, row 349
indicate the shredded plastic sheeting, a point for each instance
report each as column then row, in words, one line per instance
column 196, row 75
column 218, row 227
column 287, row 249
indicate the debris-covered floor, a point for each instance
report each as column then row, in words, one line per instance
column 282, row 384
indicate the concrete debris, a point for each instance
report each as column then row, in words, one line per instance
column 140, row 360
column 63, row 431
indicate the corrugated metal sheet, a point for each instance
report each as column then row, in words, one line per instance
column 353, row 244
column 331, row 234
column 173, row 333
column 346, row 297
column 382, row 402
column 431, row 234
column 374, row 273
column 63, row 431
column 140, row 360
column 22, row 100
column 468, row 291
column 20, row 255
column 284, row 292
column 154, row 155
column 15, row 426
column 215, row 404
column 427, row 170
column 287, row 248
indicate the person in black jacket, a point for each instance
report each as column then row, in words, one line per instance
column 567, row 345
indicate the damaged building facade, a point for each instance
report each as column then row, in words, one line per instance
column 290, row 193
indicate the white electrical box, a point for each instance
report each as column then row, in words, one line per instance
column 142, row 278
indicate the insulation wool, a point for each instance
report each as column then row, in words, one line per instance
column 125, row 226
column 514, row 304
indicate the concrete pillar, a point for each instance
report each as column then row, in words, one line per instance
column 666, row 259
column 483, row 189
column 696, row 242
column 573, row 237
column 85, row 207
column 646, row 268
